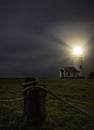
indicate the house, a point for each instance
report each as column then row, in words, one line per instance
column 69, row 72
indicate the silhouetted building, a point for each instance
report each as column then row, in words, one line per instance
column 91, row 75
column 69, row 72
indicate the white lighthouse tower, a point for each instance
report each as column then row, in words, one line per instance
column 78, row 63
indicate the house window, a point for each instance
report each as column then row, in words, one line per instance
column 71, row 74
column 68, row 74
column 74, row 74
column 77, row 74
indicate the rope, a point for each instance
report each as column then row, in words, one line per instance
column 11, row 100
column 17, row 99
column 62, row 100
column 29, row 83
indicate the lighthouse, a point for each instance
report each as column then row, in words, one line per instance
column 78, row 60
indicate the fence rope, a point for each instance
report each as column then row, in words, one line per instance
column 11, row 100
column 62, row 100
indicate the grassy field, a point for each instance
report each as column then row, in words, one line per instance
column 80, row 92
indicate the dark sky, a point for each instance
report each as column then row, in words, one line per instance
column 37, row 36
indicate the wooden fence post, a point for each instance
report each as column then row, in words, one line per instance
column 34, row 102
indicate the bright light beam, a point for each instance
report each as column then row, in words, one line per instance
column 77, row 51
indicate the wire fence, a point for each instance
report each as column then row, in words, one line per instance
column 62, row 100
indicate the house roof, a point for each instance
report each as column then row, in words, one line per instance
column 69, row 69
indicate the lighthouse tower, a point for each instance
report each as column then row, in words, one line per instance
column 78, row 61
column 78, row 64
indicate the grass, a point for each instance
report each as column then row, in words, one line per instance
column 80, row 92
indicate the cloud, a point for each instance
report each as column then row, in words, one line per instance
column 33, row 35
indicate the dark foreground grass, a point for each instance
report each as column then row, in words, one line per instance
column 80, row 92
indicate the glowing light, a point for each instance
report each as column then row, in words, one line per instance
column 77, row 51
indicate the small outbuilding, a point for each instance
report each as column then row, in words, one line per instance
column 69, row 72
column 91, row 75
